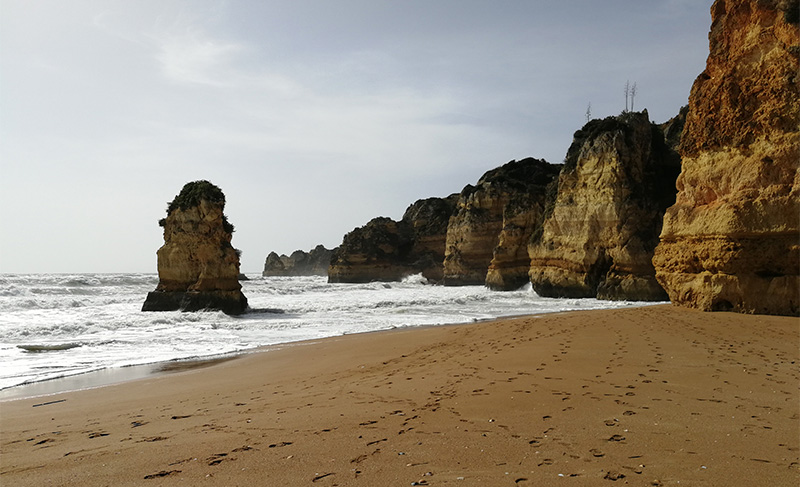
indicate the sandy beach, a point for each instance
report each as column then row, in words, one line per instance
column 657, row 395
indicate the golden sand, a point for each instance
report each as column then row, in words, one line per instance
column 657, row 395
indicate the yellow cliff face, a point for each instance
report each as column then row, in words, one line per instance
column 732, row 239
column 197, row 266
column 488, row 234
column 510, row 263
column 472, row 235
column 197, row 254
column 598, row 239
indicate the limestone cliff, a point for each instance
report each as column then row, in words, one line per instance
column 603, row 223
column 504, row 198
column 732, row 239
column 522, row 213
column 300, row 263
column 428, row 219
column 387, row 250
column 197, row 266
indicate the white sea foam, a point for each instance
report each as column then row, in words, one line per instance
column 54, row 325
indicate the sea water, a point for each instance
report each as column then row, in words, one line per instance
column 57, row 325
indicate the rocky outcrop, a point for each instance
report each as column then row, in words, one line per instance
column 732, row 239
column 197, row 266
column 387, row 250
column 522, row 213
column 313, row 263
column 504, row 198
column 602, row 225
column 374, row 252
column 428, row 220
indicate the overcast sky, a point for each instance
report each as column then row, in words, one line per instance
column 312, row 116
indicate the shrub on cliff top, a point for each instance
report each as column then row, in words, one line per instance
column 192, row 193
column 591, row 130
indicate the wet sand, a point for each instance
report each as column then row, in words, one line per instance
column 106, row 377
column 649, row 396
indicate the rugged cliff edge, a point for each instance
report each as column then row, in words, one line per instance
column 313, row 263
column 602, row 226
column 197, row 266
column 524, row 185
column 505, row 200
column 387, row 250
column 731, row 241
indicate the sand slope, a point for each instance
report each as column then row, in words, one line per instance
column 650, row 396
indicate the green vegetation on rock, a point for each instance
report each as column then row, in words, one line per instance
column 192, row 193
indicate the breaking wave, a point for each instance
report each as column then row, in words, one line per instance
column 52, row 325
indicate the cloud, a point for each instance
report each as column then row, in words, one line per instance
column 191, row 57
column 312, row 116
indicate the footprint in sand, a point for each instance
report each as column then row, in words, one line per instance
column 153, row 439
column 281, row 444
column 216, row 459
column 163, row 473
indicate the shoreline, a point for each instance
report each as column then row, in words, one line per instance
column 656, row 395
column 117, row 375
column 94, row 379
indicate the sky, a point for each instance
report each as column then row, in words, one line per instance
column 312, row 116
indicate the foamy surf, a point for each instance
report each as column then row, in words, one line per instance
column 54, row 325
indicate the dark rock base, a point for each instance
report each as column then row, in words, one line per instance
column 547, row 289
column 229, row 302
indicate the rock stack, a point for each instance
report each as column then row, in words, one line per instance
column 198, row 268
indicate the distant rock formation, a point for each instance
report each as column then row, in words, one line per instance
column 602, row 226
column 499, row 200
column 197, row 266
column 313, row 263
column 732, row 239
column 386, row 250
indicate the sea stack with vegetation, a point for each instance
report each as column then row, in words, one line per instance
column 198, row 268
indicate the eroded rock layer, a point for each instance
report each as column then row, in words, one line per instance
column 428, row 219
column 300, row 263
column 387, row 250
column 602, row 226
column 198, row 268
column 473, row 234
column 522, row 213
column 732, row 239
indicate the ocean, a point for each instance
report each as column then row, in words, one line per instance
column 59, row 325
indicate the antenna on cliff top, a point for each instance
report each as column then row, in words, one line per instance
column 627, row 94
